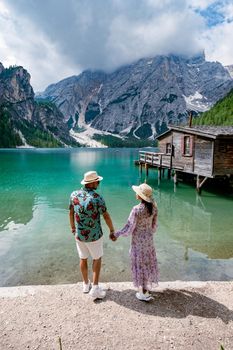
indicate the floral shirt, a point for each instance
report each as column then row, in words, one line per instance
column 88, row 205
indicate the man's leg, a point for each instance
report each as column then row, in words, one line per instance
column 96, row 252
column 96, row 292
column 84, row 270
column 96, row 266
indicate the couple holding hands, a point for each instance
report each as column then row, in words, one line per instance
column 86, row 207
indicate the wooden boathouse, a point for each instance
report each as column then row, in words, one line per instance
column 203, row 151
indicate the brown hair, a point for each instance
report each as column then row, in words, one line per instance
column 149, row 206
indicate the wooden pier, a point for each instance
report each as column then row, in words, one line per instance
column 159, row 161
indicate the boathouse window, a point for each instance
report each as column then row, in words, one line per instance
column 187, row 146
column 168, row 148
column 222, row 147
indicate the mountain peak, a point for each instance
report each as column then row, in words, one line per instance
column 142, row 98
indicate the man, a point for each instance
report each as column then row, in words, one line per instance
column 86, row 206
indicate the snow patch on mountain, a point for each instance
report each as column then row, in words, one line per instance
column 230, row 70
column 85, row 137
column 197, row 102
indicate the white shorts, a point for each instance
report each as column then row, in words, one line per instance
column 94, row 249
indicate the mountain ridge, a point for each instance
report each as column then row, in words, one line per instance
column 141, row 99
column 131, row 105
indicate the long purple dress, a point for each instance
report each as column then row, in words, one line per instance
column 141, row 225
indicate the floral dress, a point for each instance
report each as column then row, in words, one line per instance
column 141, row 225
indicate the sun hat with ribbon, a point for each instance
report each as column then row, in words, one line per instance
column 144, row 191
column 91, row 176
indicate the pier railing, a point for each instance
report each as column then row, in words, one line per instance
column 155, row 159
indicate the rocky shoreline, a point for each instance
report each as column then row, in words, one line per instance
column 183, row 316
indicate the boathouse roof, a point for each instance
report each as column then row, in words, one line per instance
column 211, row 132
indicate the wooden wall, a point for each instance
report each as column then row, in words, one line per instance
column 179, row 161
column 223, row 156
column 185, row 163
column 203, row 156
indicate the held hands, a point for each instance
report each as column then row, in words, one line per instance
column 112, row 237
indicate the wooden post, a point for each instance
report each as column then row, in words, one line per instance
column 159, row 176
column 198, row 189
column 168, row 174
column 190, row 119
column 200, row 183
column 175, row 178
column 140, row 166
column 147, row 169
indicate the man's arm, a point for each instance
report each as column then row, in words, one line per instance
column 72, row 224
column 109, row 223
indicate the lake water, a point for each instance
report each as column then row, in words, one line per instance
column 194, row 240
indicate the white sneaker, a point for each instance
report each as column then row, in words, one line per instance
column 97, row 293
column 144, row 297
column 86, row 287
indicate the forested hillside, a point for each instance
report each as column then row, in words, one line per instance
column 220, row 114
column 8, row 136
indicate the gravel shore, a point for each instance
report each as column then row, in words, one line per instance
column 182, row 316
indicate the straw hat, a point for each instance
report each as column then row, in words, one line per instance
column 91, row 176
column 144, row 191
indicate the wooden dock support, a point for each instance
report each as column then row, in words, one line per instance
column 159, row 176
column 140, row 166
column 175, row 179
column 200, row 183
column 163, row 162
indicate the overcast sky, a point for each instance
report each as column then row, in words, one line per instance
column 54, row 39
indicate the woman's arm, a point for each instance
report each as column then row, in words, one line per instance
column 130, row 225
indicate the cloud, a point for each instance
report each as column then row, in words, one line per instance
column 21, row 43
column 218, row 43
column 217, row 38
column 57, row 38
column 200, row 4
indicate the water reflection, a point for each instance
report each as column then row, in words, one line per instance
column 85, row 158
column 203, row 224
column 15, row 208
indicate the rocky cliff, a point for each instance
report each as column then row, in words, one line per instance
column 230, row 69
column 141, row 99
column 35, row 123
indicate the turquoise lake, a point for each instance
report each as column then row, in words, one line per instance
column 194, row 240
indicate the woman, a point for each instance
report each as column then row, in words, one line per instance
column 141, row 225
